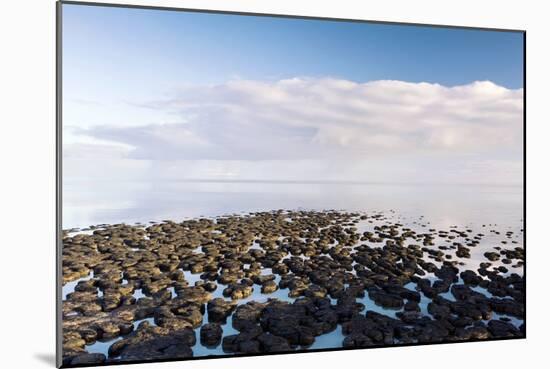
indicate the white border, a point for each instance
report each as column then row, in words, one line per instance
column 28, row 184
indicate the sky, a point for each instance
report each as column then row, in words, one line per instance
column 151, row 95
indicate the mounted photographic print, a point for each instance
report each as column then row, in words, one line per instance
column 238, row 184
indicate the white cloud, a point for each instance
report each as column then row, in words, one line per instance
column 302, row 127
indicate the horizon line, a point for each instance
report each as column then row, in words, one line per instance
column 315, row 181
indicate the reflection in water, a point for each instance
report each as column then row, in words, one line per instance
column 417, row 207
column 440, row 205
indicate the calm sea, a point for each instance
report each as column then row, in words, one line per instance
column 86, row 204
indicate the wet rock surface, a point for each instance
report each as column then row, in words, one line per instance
column 153, row 343
column 211, row 334
column 276, row 281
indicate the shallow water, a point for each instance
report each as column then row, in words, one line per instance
column 102, row 347
column 70, row 286
column 478, row 208
column 440, row 205
column 329, row 340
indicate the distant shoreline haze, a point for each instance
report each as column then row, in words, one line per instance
column 313, row 181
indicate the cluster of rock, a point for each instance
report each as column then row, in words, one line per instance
column 321, row 259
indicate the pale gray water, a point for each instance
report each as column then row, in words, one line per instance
column 86, row 204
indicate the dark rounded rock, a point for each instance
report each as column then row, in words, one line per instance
column 498, row 328
column 493, row 256
column 219, row 309
column 386, row 300
column 269, row 287
column 357, row 340
column 88, row 359
column 211, row 334
column 271, row 343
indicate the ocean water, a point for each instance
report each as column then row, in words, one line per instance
column 480, row 208
column 86, row 204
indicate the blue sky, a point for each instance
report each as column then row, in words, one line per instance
column 176, row 95
column 165, row 47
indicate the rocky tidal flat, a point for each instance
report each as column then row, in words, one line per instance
column 282, row 281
